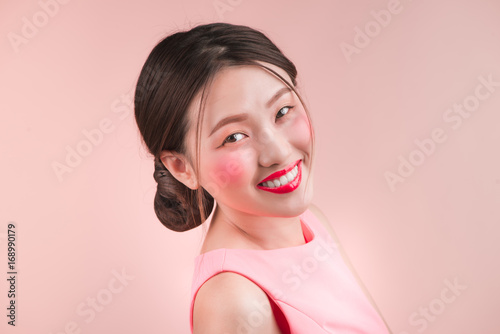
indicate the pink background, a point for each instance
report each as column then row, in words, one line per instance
column 78, row 71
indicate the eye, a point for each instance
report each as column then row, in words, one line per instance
column 233, row 138
column 229, row 139
column 283, row 111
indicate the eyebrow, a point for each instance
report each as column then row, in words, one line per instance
column 243, row 117
column 277, row 95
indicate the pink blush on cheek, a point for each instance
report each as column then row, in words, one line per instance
column 228, row 171
column 300, row 130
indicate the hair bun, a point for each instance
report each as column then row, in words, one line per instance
column 176, row 205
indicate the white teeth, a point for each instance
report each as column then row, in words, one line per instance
column 282, row 180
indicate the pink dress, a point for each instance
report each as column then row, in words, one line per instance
column 310, row 283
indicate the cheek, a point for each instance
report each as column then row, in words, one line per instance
column 301, row 132
column 232, row 167
column 227, row 170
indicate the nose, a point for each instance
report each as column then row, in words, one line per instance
column 274, row 148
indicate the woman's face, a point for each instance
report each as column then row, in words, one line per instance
column 254, row 126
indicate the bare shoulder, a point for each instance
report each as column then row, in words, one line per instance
column 322, row 218
column 231, row 303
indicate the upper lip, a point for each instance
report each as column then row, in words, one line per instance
column 282, row 172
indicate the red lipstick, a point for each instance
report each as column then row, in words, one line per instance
column 290, row 186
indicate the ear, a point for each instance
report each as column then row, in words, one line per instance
column 178, row 165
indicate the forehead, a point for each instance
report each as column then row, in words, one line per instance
column 236, row 88
column 245, row 81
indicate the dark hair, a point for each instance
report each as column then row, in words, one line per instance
column 178, row 68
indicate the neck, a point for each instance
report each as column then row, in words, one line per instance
column 245, row 230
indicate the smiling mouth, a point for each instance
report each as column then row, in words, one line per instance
column 282, row 180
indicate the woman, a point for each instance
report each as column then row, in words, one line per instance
column 219, row 110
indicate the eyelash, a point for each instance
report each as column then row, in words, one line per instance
column 285, row 107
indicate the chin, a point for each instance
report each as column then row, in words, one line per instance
column 292, row 210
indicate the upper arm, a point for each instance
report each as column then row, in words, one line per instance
column 230, row 303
